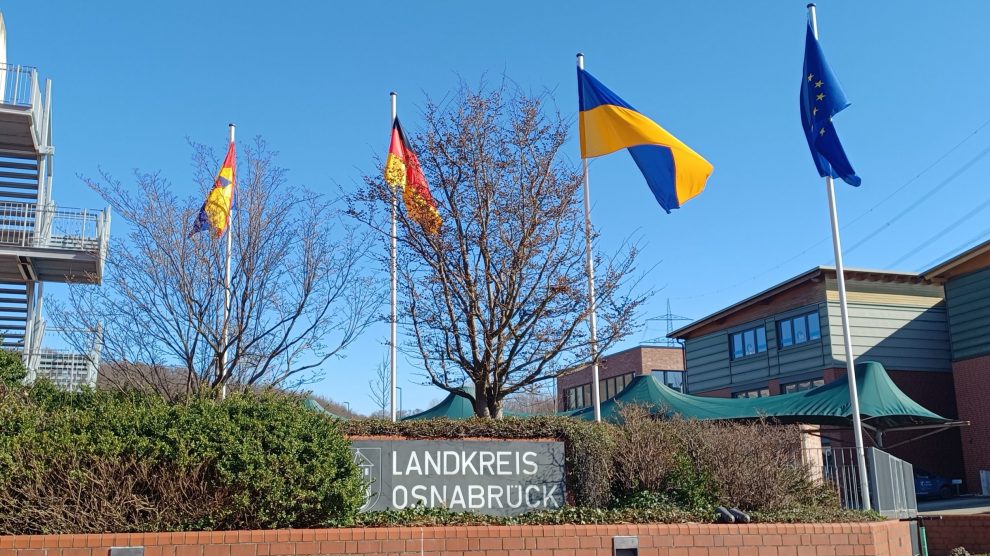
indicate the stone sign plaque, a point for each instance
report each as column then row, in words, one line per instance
column 496, row 477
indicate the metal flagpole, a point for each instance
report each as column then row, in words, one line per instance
column 226, row 286
column 393, row 318
column 844, row 312
column 592, row 326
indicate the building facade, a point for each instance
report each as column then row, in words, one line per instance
column 40, row 242
column 617, row 370
column 789, row 338
column 966, row 280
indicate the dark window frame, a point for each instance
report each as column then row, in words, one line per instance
column 741, row 334
column 788, row 325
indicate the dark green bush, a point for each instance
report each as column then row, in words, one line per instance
column 101, row 461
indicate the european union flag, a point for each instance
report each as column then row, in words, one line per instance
column 822, row 98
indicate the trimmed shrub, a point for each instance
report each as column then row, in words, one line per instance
column 98, row 461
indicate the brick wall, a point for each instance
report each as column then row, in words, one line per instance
column 889, row 538
column 639, row 360
column 969, row 531
column 972, row 380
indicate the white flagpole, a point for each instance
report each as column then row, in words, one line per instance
column 844, row 312
column 393, row 318
column 592, row 326
column 226, row 286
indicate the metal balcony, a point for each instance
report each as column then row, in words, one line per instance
column 68, row 369
column 52, row 244
column 25, row 117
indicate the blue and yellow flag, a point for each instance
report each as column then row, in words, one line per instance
column 674, row 172
column 215, row 213
column 822, row 98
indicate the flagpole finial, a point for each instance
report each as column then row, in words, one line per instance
column 392, row 93
column 811, row 5
column 580, row 60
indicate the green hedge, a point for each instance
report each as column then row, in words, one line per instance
column 100, row 461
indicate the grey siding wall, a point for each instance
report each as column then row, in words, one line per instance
column 968, row 307
column 710, row 366
column 903, row 326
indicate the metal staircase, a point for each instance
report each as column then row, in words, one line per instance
column 20, row 176
column 40, row 242
column 13, row 314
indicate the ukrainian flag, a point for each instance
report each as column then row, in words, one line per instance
column 673, row 171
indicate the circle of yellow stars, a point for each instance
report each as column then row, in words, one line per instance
column 819, row 97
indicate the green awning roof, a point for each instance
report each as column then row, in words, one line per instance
column 310, row 403
column 883, row 406
column 454, row 407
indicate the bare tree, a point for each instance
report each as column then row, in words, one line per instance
column 536, row 400
column 380, row 388
column 299, row 295
column 499, row 295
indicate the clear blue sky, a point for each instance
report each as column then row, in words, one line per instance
column 132, row 80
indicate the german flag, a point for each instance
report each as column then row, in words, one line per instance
column 402, row 170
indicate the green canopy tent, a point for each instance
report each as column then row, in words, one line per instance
column 310, row 403
column 454, row 407
column 883, row 406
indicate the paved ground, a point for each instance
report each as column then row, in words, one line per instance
column 962, row 505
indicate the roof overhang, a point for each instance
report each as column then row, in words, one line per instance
column 946, row 267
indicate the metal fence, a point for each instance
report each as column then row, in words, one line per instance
column 48, row 226
column 891, row 480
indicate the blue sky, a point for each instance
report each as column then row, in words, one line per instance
column 133, row 80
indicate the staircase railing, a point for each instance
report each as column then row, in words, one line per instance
column 20, row 88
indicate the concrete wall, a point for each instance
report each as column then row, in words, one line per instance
column 890, row 538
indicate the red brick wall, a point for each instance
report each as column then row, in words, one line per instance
column 890, row 538
column 969, row 531
column 639, row 360
column 972, row 380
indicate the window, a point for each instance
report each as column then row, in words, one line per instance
column 577, row 397
column 758, row 393
column 748, row 342
column 801, row 386
column 610, row 387
column 799, row 330
column 674, row 379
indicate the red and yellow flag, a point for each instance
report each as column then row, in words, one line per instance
column 215, row 213
column 402, row 170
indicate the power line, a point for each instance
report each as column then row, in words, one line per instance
column 982, row 206
column 852, row 222
column 962, row 170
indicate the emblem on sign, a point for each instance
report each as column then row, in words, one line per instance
column 369, row 463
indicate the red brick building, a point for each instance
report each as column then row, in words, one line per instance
column 616, row 371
